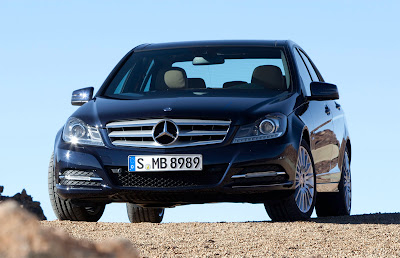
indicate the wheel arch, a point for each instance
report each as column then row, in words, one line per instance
column 306, row 136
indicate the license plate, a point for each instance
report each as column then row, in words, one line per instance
column 144, row 163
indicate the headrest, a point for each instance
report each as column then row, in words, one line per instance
column 196, row 83
column 269, row 76
column 175, row 78
column 232, row 83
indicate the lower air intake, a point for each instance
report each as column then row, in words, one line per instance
column 210, row 175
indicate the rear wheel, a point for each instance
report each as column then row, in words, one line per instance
column 339, row 203
column 139, row 214
column 65, row 209
column 300, row 204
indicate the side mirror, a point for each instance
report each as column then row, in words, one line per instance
column 81, row 96
column 323, row 91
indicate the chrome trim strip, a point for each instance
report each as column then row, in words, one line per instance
column 133, row 123
column 81, row 178
column 255, row 186
column 259, row 174
column 146, row 133
column 152, row 144
column 200, row 122
column 85, row 188
column 201, row 133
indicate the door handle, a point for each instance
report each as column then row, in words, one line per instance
column 327, row 110
column 338, row 106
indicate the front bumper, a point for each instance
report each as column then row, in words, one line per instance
column 214, row 184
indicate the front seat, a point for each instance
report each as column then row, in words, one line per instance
column 232, row 83
column 172, row 78
column 196, row 83
column 268, row 76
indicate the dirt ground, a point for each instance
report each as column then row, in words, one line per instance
column 375, row 235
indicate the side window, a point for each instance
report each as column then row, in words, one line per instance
column 314, row 75
column 304, row 74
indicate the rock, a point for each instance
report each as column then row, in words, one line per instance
column 21, row 235
column 26, row 202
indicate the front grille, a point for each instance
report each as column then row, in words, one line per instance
column 210, row 175
column 181, row 132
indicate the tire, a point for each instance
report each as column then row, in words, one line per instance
column 65, row 209
column 295, row 207
column 139, row 214
column 339, row 203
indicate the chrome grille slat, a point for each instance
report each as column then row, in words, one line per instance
column 138, row 133
column 201, row 133
column 192, row 132
column 133, row 123
column 200, row 122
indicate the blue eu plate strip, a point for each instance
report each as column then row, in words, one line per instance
column 131, row 163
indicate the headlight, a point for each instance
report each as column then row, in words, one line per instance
column 78, row 132
column 269, row 127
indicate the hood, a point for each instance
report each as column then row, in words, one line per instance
column 240, row 110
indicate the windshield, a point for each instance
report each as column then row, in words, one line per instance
column 257, row 71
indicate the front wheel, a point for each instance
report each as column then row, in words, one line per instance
column 300, row 204
column 139, row 214
column 65, row 209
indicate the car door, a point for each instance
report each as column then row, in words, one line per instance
column 339, row 125
column 336, row 138
column 321, row 132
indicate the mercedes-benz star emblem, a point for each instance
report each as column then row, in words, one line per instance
column 165, row 132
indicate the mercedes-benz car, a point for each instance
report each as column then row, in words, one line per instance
column 201, row 122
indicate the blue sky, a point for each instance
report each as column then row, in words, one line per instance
column 50, row 48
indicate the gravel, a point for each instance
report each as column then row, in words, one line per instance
column 374, row 235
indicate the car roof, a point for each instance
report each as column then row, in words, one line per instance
column 213, row 43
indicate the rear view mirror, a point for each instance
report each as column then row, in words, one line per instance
column 323, row 91
column 208, row 60
column 81, row 96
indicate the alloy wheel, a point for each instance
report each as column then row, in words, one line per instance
column 347, row 181
column 304, row 193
